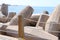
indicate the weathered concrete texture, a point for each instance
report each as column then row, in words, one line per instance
column 2, row 17
column 35, row 19
column 52, row 22
column 31, row 33
column 3, row 37
column 42, row 20
column 4, row 9
column 26, row 13
column 11, row 15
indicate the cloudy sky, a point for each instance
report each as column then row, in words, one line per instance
column 51, row 3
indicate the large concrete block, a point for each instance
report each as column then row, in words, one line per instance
column 42, row 19
column 4, row 9
column 26, row 13
column 2, row 17
column 11, row 15
column 31, row 33
column 35, row 18
column 53, row 23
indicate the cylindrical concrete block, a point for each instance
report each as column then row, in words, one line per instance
column 26, row 13
column 4, row 9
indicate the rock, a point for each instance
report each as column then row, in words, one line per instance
column 11, row 15
column 42, row 20
column 26, row 13
column 53, row 23
column 4, row 9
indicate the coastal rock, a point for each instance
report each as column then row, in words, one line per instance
column 26, row 13
column 42, row 19
column 4, row 9
column 53, row 23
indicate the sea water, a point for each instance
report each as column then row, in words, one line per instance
column 37, row 10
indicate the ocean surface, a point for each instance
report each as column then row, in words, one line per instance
column 37, row 10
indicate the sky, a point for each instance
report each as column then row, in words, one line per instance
column 50, row 3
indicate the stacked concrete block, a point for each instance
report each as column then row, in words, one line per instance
column 31, row 33
column 2, row 17
column 42, row 19
column 4, row 9
column 35, row 19
column 53, row 23
column 26, row 13
column 11, row 15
